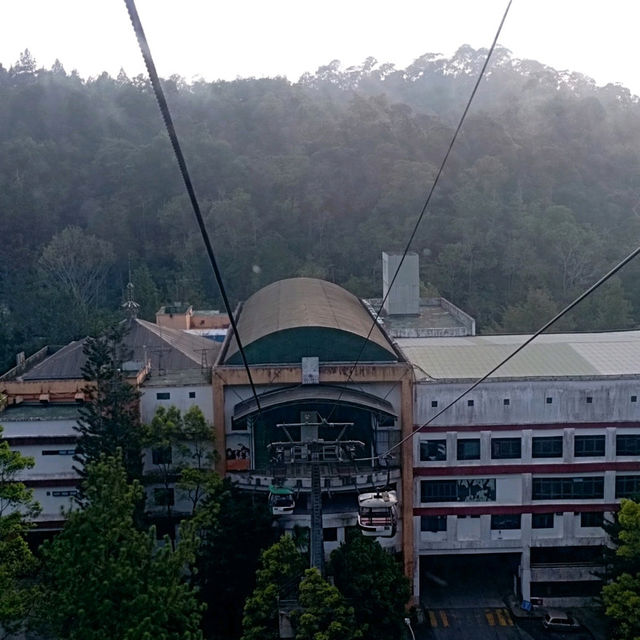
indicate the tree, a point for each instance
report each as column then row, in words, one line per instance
column 281, row 566
column 233, row 529
column 323, row 613
column 109, row 420
column 16, row 560
column 621, row 596
column 103, row 578
column 182, row 455
column 371, row 579
column 79, row 263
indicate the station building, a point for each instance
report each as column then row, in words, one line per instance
column 512, row 482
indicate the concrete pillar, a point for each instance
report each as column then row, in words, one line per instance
column 527, row 488
column 485, row 447
column 409, row 552
column 567, row 445
column 485, row 528
column 525, row 572
column 568, row 525
column 527, row 434
column 218, row 423
column 451, row 449
column 452, row 529
column 610, row 486
column 610, row 444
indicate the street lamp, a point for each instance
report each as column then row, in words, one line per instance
column 407, row 621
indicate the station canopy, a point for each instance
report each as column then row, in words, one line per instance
column 305, row 317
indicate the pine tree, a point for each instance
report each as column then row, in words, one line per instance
column 103, row 578
column 109, row 420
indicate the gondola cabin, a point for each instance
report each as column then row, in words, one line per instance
column 281, row 500
column 378, row 514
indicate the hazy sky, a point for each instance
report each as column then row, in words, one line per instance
column 242, row 38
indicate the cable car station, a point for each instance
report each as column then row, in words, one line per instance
column 312, row 438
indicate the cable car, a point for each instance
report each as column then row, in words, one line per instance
column 281, row 500
column 378, row 514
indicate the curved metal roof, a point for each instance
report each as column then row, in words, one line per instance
column 315, row 393
column 271, row 319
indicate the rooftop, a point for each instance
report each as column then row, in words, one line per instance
column 31, row 412
column 437, row 318
column 549, row 356
column 167, row 350
column 298, row 317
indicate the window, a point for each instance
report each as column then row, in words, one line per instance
column 588, row 446
column 591, row 519
column 433, row 524
column 163, row 497
column 628, row 445
column 438, row 491
column 627, row 486
column 547, row 447
column 330, row 534
column 568, row 488
column 469, row 403
column 192, row 394
column 469, row 449
column 461, row 490
column 502, row 448
column 589, row 400
column 64, row 494
column 549, row 400
column 58, row 452
column 506, row 402
column 161, row 455
column 634, row 398
column 431, row 450
column 505, row 521
column 163, row 395
column 542, row 521
column 434, row 403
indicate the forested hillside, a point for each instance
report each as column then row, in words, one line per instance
column 316, row 177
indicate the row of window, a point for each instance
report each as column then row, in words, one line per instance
column 548, row 400
column 166, row 395
column 564, row 488
column 58, row 452
column 434, row 524
column 587, row 446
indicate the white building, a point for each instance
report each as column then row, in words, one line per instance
column 525, row 466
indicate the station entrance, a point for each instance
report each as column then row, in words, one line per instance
column 467, row 580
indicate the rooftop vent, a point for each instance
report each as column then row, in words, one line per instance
column 404, row 297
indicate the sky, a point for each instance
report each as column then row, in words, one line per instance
column 215, row 39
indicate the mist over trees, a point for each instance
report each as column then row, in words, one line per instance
column 316, row 178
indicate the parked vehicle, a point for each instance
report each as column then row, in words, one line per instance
column 559, row 621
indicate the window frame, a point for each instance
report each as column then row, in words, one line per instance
column 508, row 444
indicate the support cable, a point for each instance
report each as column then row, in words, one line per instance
column 168, row 121
column 429, row 195
column 526, row 343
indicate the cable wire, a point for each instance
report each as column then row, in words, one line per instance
column 168, row 121
column 526, row 343
column 429, row 195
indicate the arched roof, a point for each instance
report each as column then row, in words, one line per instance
column 290, row 319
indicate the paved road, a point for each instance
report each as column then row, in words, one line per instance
column 486, row 623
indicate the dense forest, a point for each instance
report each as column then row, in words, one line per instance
column 316, row 177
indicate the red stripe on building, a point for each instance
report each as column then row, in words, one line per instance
column 502, row 469
column 487, row 509
column 522, row 427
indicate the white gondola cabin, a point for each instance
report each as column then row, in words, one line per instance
column 281, row 500
column 378, row 514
